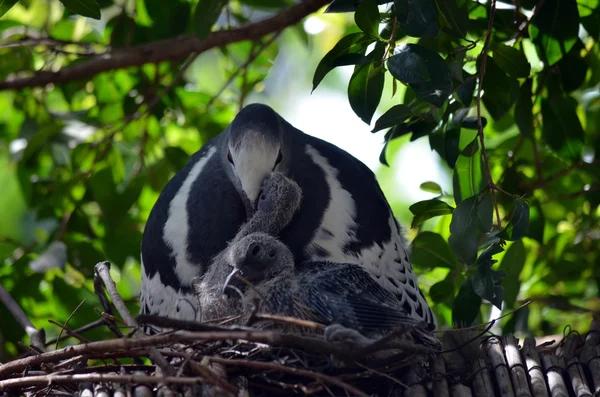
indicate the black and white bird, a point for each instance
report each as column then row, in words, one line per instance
column 343, row 218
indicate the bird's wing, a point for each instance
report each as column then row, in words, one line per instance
column 347, row 295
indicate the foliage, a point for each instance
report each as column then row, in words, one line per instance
column 505, row 96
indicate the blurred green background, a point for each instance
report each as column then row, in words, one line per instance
column 76, row 167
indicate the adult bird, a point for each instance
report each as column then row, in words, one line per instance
column 344, row 216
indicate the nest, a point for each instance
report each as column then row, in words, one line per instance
column 220, row 360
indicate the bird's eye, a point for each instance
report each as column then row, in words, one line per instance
column 230, row 158
column 279, row 157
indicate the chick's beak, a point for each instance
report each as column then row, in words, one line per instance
column 230, row 277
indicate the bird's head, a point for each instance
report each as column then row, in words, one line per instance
column 255, row 148
column 258, row 257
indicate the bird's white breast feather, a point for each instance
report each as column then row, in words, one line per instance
column 163, row 300
column 175, row 233
column 339, row 216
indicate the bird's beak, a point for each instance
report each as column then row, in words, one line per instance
column 229, row 278
column 250, row 206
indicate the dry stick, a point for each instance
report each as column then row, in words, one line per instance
column 493, row 348
column 567, row 350
column 518, row 374
column 534, row 368
column 460, row 390
column 102, row 269
column 290, row 321
column 273, row 366
column 44, row 380
column 37, row 337
column 440, row 384
column 416, row 391
column 126, row 346
column 167, row 50
column 554, row 370
column 482, row 381
column 62, row 327
column 590, row 354
column 483, row 56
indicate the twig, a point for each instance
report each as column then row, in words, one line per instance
column 290, row 321
column 273, row 366
column 250, row 59
column 78, row 331
column 481, row 74
column 99, row 349
column 69, row 332
column 64, row 326
column 102, row 269
column 37, row 337
column 43, row 380
column 168, row 49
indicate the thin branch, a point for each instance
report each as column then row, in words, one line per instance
column 124, row 345
column 481, row 75
column 64, row 326
column 250, row 59
column 274, row 366
column 43, row 380
column 102, row 269
column 167, row 50
column 37, row 336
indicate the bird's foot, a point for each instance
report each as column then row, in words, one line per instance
column 337, row 333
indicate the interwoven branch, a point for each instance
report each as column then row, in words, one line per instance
column 171, row 49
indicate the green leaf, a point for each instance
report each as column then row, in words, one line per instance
column 431, row 187
column 414, row 66
column 365, row 88
column 430, row 251
column 470, row 122
column 554, row 29
column 511, row 60
column 354, row 43
column 468, row 178
column 417, row 18
column 452, row 18
column 512, row 264
column 394, row 116
column 519, row 221
column 6, row 5
column 451, row 146
column 485, row 213
column 442, row 291
column 573, row 68
column 486, row 281
column 562, row 129
column 465, row 92
column 86, row 8
column 428, row 209
column 524, row 110
column 408, row 67
column 205, row 15
column 463, row 230
column 466, row 306
column 537, row 222
column 367, row 17
column 499, row 90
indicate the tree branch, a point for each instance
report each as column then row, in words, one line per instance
column 167, row 50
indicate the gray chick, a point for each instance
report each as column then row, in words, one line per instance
column 278, row 202
column 324, row 292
